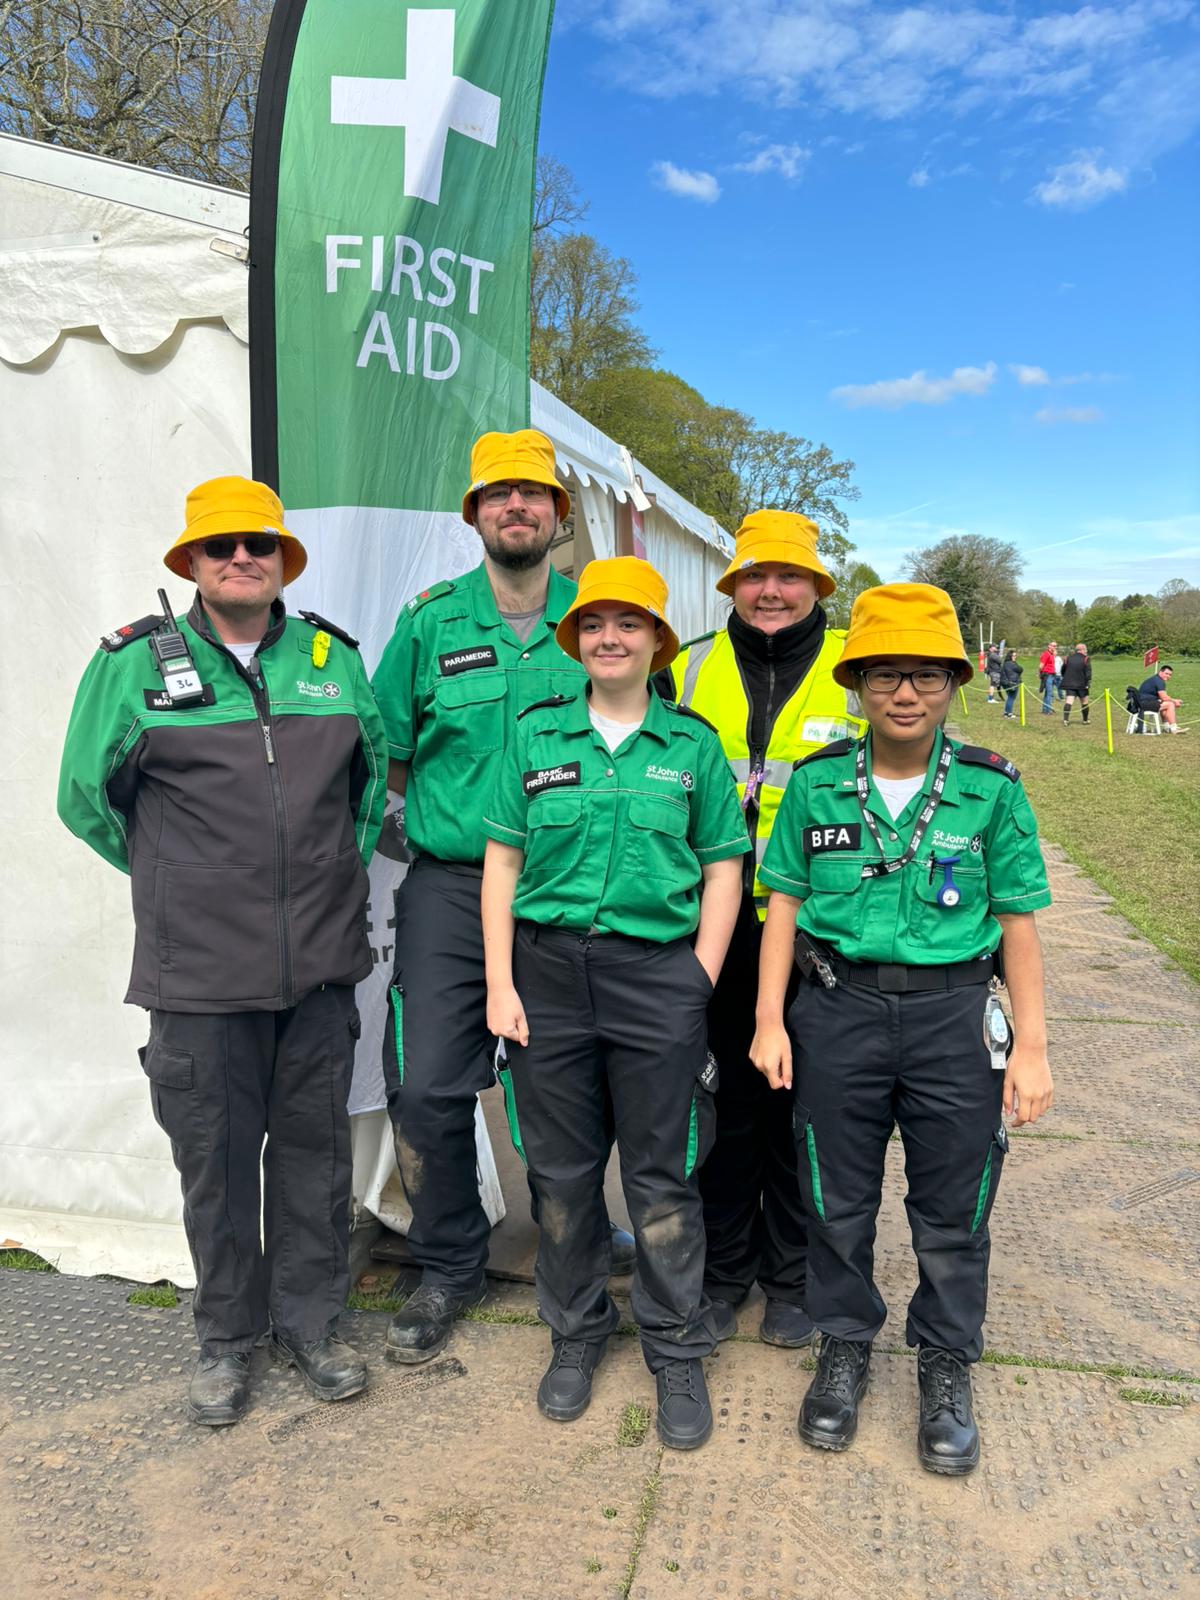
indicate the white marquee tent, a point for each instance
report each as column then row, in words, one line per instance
column 123, row 382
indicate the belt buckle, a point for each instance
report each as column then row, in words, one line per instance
column 892, row 979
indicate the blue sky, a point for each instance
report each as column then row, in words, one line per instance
column 958, row 244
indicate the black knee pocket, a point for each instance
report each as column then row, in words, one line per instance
column 989, row 1178
column 808, row 1163
column 702, row 1118
column 393, row 1037
column 173, row 1093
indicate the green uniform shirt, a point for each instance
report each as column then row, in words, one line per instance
column 984, row 818
column 614, row 841
column 450, row 684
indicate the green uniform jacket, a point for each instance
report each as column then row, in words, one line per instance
column 614, row 842
column 245, row 822
column 451, row 682
column 821, row 844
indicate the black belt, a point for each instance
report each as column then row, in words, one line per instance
column 464, row 869
column 912, row 980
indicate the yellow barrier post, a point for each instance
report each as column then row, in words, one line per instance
column 962, row 695
column 1022, row 705
column 1108, row 718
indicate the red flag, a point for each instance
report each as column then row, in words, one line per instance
column 1150, row 659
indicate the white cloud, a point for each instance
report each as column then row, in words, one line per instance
column 1028, row 375
column 700, row 186
column 1080, row 414
column 786, row 159
column 919, row 179
column 1080, row 183
column 919, row 390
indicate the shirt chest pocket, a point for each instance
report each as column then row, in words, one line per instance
column 555, row 835
column 838, row 882
column 964, row 901
column 469, row 710
column 657, row 844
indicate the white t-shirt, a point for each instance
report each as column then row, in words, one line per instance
column 897, row 792
column 613, row 733
column 244, row 652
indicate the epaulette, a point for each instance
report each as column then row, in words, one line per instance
column 839, row 747
column 320, row 622
column 130, row 632
column 434, row 591
column 551, row 700
column 976, row 756
column 686, row 711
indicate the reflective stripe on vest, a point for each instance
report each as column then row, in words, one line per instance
column 708, row 681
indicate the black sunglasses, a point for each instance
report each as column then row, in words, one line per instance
column 225, row 545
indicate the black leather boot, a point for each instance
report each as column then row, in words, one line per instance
column 331, row 1369
column 947, row 1438
column 220, row 1390
column 829, row 1412
column 786, row 1325
column 420, row 1329
column 566, row 1387
column 685, row 1416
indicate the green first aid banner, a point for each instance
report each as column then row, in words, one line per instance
column 390, row 225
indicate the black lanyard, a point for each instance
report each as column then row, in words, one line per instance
column 882, row 868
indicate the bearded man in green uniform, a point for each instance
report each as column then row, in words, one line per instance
column 467, row 656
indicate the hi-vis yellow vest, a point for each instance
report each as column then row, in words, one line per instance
column 819, row 711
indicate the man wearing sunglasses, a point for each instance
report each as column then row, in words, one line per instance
column 235, row 767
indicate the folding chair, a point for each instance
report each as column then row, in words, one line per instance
column 1140, row 721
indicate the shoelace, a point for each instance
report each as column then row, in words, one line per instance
column 570, row 1353
column 840, row 1367
column 681, row 1379
column 945, row 1376
column 430, row 1299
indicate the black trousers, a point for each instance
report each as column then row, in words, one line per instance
column 221, row 1084
column 754, row 1222
column 437, row 1057
column 622, row 1017
column 864, row 1062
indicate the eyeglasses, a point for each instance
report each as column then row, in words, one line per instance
column 498, row 494
column 254, row 544
column 925, row 680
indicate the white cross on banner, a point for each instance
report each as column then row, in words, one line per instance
column 429, row 103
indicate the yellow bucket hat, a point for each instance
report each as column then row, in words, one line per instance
column 903, row 619
column 234, row 505
column 526, row 456
column 776, row 536
column 622, row 578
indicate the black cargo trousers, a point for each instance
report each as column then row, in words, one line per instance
column 865, row 1060
column 620, row 1021
column 754, row 1218
column 274, row 1256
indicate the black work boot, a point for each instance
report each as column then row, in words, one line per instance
column 421, row 1328
column 624, row 1251
column 331, row 1369
column 723, row 1319
column 947, row 1438
column 786, row 1325
column 566, row 1387
column 220, row 1390
column 829, row 1412
column 685, row 1417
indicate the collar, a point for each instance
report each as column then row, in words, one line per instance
column 656, row 723
column 560, row 592
column 950, row 794
column 199, row 622
column 790, row 644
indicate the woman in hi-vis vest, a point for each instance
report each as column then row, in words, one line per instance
column 765, row 682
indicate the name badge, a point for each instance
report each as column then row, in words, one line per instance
column 160, row 699
column 842, row 836
column 550, row 778
column 482, row 655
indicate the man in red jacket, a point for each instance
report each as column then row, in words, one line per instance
column 1047, row 675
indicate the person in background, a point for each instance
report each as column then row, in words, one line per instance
column 614, row 833
column 910, row 865
column 1076, row 682
column 1153, row 696
column 1048, row 665
column 992, row 669
column 1058, row 667
column 765, row 683
column 1011, row 672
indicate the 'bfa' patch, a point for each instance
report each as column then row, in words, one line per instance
column 837, row 836
column 550, row 778
column 480, row 655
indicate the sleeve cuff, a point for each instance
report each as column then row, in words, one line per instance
column 778, row 880
column 1014, row 904
column 503, row 835
column 721, row 852
column 400, row 752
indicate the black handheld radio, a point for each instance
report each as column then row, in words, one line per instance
column 171, row 657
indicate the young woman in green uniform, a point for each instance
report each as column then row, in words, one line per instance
column 910, row 865
column 614, row 834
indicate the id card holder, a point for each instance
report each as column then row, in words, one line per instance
column 997, row 1034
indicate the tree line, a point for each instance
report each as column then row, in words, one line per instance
column 982, row 577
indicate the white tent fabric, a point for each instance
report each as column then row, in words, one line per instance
column 123, row 382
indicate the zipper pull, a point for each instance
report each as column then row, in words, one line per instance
column 267, row 741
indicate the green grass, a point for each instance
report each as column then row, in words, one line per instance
column 1131, row 820
column 162, row 1295
column 646, row 1509
column 356, row 1300
column 633, row 1426
column 1154, row 1397
column 24, row 1261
